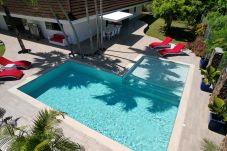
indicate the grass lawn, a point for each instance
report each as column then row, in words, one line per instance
column 180, row 32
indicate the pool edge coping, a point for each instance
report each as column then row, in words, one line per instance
column 107, row 142
column 179, row 123
column 101, row 139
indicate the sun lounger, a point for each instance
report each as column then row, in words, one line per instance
column 176, row 50
column 11, row 73
column 19, row 64
column 164, row 43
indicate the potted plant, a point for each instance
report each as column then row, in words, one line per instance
column 203, row 62
column 211, row 76
column 199, row 49
column 218, row 115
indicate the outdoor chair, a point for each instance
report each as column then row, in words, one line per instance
column 11, row 73
column 58, row 39
column 176, row 50
column 19, row 64
column 160, row 45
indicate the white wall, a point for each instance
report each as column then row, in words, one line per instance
column 3, row 24
column 41, row 25
column 139, row 10
column 46, row 32
column 82, row 28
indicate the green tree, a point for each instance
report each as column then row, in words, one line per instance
column 218, row 32
column 222, row 6
column 166, row 9
column 13, row 25
column 171, row 10
column 45, row 135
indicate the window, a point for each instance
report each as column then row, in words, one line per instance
column 126, row 10
column 52, row 26
column 134, row 9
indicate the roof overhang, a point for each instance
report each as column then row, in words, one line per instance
column 117, row 16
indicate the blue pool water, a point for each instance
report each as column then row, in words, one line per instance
column 137, row 110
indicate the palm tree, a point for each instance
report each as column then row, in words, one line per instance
column 59, row 24
column 74, row 30
column 35, row 2
column 101, row 25
column 88, row 21
column 97, row 23
column 12, row 24
column 45, row 135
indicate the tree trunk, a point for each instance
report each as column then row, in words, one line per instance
column 59, row 24
column 89, row 26
column 74, row 30
column 97, row 24
column 101, row 26
column 168, row 22
column 18, row 36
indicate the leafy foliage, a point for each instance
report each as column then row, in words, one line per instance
column 171, row 10
column 166, row 10
column 210, row 74
column 198, row 46
column 199, row 29
column 45, row 135
column 219, row 106
column 208, row 145
column 218, row 34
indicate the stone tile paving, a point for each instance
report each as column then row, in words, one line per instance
column 121, row 52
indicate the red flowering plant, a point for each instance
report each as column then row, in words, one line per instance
column 189, row 45
column 198, row 46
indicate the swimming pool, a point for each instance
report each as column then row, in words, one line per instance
column 137, row 110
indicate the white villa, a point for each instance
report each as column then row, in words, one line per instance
column 43, row 23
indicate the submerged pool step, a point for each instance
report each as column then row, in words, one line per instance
column 149, row 88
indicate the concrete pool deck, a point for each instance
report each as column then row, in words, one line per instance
column 117, row 58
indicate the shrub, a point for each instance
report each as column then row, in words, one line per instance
column 211, row 75
column 199, row 29
column 198, row 46
column 219, row 107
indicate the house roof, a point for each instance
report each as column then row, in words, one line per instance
column 75, row 8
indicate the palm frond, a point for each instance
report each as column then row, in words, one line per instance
column 42, row 145
column 6, row 130
column 19, row 144
column 208, row 145
column 46, row 120
column 63, row 143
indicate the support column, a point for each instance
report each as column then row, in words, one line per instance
column 216, row 57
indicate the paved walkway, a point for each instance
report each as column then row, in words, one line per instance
column 121, row 53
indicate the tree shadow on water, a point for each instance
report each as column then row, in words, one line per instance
column 130, row 99
column 69, row 80
column 161, row 72
column 119, row 95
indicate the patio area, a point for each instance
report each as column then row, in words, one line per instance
column 122, row 52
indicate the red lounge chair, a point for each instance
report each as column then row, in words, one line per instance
column 11, row 73
column 165, row 42
column 19, row 64
column 176, row 50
